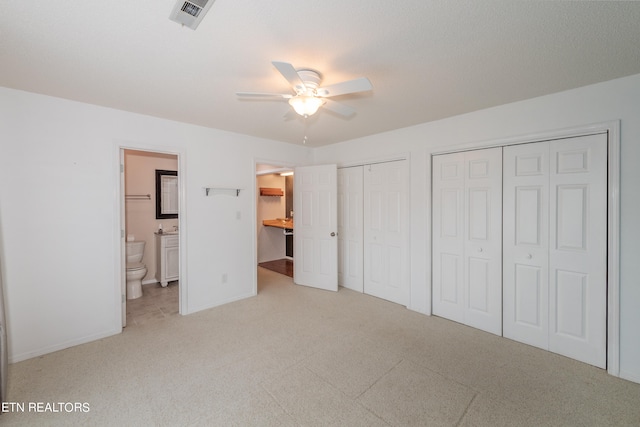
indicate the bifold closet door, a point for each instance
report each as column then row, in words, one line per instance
column 350, row 228
column 555, row 246
column 467, row 238
column 386, row 231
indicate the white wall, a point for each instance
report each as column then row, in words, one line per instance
column 271, row 240
column 59, row 187
column 614, row 100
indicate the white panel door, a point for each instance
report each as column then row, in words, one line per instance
column 315, row 241
column 386, row 231
column 526, row 243
column 448, row 236
column 555, row 242
column 578, row 249
column 467, row 238
column 483, row 240
column 350, row 228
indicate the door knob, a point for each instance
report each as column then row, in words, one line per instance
column 479, row 249
column 333, row 234
column 529, row 256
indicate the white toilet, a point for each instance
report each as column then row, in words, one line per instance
column 136, row 270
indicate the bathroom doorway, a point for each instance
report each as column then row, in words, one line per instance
column 274, row 213
column 150, row 212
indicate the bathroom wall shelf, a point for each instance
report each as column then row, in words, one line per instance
column 210, row 191
column 264, row 191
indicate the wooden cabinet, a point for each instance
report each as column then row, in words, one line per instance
column 167, row 258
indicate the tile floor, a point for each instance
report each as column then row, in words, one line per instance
column 156, row 303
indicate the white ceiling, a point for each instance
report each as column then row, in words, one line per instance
column 427, row 59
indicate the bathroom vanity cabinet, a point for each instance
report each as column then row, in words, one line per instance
column 167, row 258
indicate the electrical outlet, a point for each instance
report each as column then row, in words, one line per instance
column 224, row 278
column 238, row 215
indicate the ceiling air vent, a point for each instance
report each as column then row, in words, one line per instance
column 190, row 13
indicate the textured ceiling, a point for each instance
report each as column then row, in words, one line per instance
column 426, row 59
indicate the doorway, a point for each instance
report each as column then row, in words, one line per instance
column 274, row 213
column 144, row 217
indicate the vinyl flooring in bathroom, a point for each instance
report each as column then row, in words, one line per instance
column 155, row 304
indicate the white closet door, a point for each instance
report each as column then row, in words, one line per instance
column 350, row 228
column 483, row 242
column 555, row 240
column 448, row 236
column 386, row 231
column 578, row 250
column 526, row 243
column 467, row 238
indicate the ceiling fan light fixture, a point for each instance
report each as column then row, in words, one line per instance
column 305, row 105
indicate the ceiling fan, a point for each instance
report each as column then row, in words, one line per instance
column 309, row 97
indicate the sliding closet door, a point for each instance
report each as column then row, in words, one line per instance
column 350, row 228
column 386, row 231
column 555, row 240
column 467, row 238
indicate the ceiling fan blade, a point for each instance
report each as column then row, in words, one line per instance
column 336, row 107
column 361, row 84
column 264, row 95
column 290, row 73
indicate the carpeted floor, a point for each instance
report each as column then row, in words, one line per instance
column 295, row 356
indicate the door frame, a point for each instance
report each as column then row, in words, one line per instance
column 119, row 229
column 612, row 129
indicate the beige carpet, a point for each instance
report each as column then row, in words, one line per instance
column 296, row 356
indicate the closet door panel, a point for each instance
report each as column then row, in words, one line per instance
column 350, row 228
column 448, row 236
column 578, row 288
column 525, row 243
column 467, row 239
column 386, row 231
column 483, row 240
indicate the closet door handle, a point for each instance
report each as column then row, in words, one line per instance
column 333, row 234
column 529, row 256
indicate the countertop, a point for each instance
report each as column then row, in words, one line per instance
column 279, row 222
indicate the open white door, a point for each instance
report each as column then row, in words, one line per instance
column 315, row 240
column 350, row 228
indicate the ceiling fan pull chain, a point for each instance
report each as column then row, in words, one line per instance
column 306, row 128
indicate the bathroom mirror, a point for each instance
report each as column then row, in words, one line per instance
column 166, row 194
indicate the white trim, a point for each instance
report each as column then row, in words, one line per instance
column 63, row 345
column 386, row 159
column 613, row 250
column 612, row 129
column 532, row 137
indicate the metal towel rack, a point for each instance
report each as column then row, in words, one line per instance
column 137, row 196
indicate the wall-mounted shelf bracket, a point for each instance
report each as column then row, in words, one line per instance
column 218, row 190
